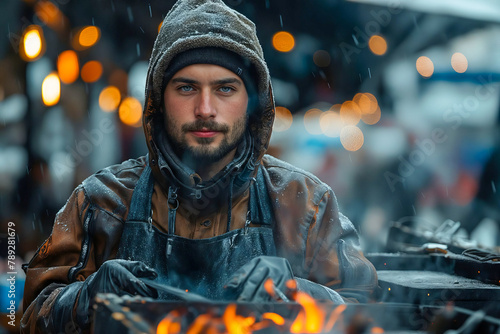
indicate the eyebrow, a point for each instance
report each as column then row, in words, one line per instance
column 215, row 82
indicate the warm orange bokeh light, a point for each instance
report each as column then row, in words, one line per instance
column 351, row 138
column 350, row 113
column 49, row 14
column 283, row 119
column 377, row 45
column 109, row 99
column 51, row 89
column 331, row 123
column 311, row 121
column 459, row 62
column 130, row 111
column 68, row 66
column 89, row 36
column 91, row 71
column 283, row 41
column 372, row 118
column 85, row 37
column 377, row 330
column 33, row 44
column 425, row 66
column 366, row 102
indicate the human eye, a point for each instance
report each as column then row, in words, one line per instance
column 185, row 88
column 226, row 89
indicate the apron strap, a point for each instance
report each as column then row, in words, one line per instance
column 140, row 207
column 261, row 211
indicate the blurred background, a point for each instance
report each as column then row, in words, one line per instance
column 394, row 104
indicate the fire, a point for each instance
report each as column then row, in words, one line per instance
column 312, row 318
column 168, row 325
column 236, row 324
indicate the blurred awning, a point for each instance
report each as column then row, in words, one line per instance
column 483, row 10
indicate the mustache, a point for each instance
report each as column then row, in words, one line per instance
column 205, row 125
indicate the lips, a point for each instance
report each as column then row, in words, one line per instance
column 204, row 133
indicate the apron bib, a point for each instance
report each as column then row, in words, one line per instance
column 201, row 266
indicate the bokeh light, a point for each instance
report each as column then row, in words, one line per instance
column 130, row 111
column 377, row 45
column 49, row 14
column 425, row 66
column 109, row 99
column 283, row 41
column 366, row 102
column 91, row 71
column 321, row 58
column 33, row 43
column 311, row 121
column 283, row 119
column 85, row 37
column 68, row 66
column 459, row 62
column 331, row 123
column 351, row 138
column 350, row 113
column 51, row 89
column 372, row 118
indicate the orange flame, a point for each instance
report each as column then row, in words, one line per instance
column 269, row 286
column 168, row 325
column 276, row 318
column 311, row 318
column 236, row 324
column 198, row 325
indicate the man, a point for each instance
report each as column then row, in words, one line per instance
column 206, row 210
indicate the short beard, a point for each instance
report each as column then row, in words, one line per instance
column 203, row 153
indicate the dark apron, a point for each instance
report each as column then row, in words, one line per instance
column 201, row 266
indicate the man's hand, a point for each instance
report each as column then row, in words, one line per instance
column 251, row 283
column 120, row 277
column 248, row 283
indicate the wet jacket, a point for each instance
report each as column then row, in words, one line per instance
column 320, row 243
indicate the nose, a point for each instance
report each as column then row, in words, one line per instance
column 205, row 108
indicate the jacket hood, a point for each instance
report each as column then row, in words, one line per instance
column 192, row 24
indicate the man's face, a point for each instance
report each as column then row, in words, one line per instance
column 205, row 111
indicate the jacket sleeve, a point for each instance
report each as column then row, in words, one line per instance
column 50, row 269
column 333, row 254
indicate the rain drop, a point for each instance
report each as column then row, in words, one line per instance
column 281, row 22
column 150, row 11
column 130, row 14
column 493, row 187
column 355, row 40
column 369, row 73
